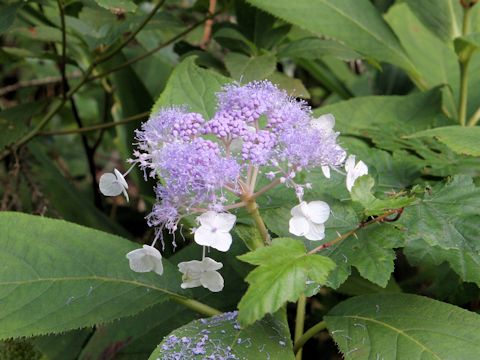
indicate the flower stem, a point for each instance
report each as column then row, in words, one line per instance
column 297, row 348
column 462, row 106
column 252, row 208
column 299, row 323
column 475, row 118
column 195, row 305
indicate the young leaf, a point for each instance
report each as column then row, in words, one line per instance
column 362, row 193
column 248, row 68
column 282, row 273
column 221, row 337
column 462, row 140
column 354, row 22
column 193, row 86
column 465, row 46
column 403, row 326
column 58, row 276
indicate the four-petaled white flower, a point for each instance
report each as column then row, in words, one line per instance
column 214, row 230
column 354, row 171
column 326, row 124
column 308, row 219
column 113, row 184
column 146, row 259
column 201, row 273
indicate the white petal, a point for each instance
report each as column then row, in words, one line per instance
column 350, row 163
column 125, row 193
column 190, row 283
column 315, row 232
column 361, row 169
column 221, row 241
column 109, row 185
column 318, row 211
column 326, row 171
column 325, row 122
column 225, row 221
column 120, row 178
column 207, row 219
column 211, row 265
column 212, row 280
column 298, row 225
column 297, row 210
column 203, row 235
column 187, row 266
column 152, row 251
column 350, row 180
column 139, row 262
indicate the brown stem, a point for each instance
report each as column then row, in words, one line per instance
column 207, row 31
column 380, row 218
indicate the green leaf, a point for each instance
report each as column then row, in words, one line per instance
column 282, row 273
column 403, row 326
column 315, row 48
column 434, row 60
column 357, row 285
column 371, row 251
column 13, row 120
column 442, row 17
column 462, row 140
column 8, row 13
column 439, row 217
column 191, row 85
column 221, row 337
column 117, row 6
column 65, row 346
column 294, row 87
column 385, row 118
column 354, row 22
column 248, row 68
column 232, row 39
column 58, row 276
column 362, row 193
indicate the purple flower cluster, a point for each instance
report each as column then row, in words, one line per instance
column 255, row 125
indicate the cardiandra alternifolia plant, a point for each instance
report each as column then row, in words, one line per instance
column 210, row 167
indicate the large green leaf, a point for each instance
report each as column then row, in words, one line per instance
column 281, row 276
column 248, row 68
column 315, row 48
column 442, row 213
column 442, row 17
column 354, row 22
column 134, row 337
column 403, row 326
column 192, row 86
column 434, row 60
column 58, row 276
column 462, row 140
column 221, row 337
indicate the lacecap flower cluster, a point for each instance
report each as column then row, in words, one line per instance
column 257, row 130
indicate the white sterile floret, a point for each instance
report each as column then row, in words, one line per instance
column 308, row 219
column 201, row 273
column 326, row 123
column 113, row 184
column 146, row 259
column 214, row 230
column 354, row 171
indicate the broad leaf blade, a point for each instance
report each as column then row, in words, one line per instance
column 403, row 326
column 283, row 271
column 248, row 68
column 192, row 86
column 57, row 276
column 354, row 22
column 462, row 140
column 221, row 337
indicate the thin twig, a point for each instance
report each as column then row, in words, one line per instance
column 37, row 82
column 207, row 31
column 380, row 218
column 86, row 129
